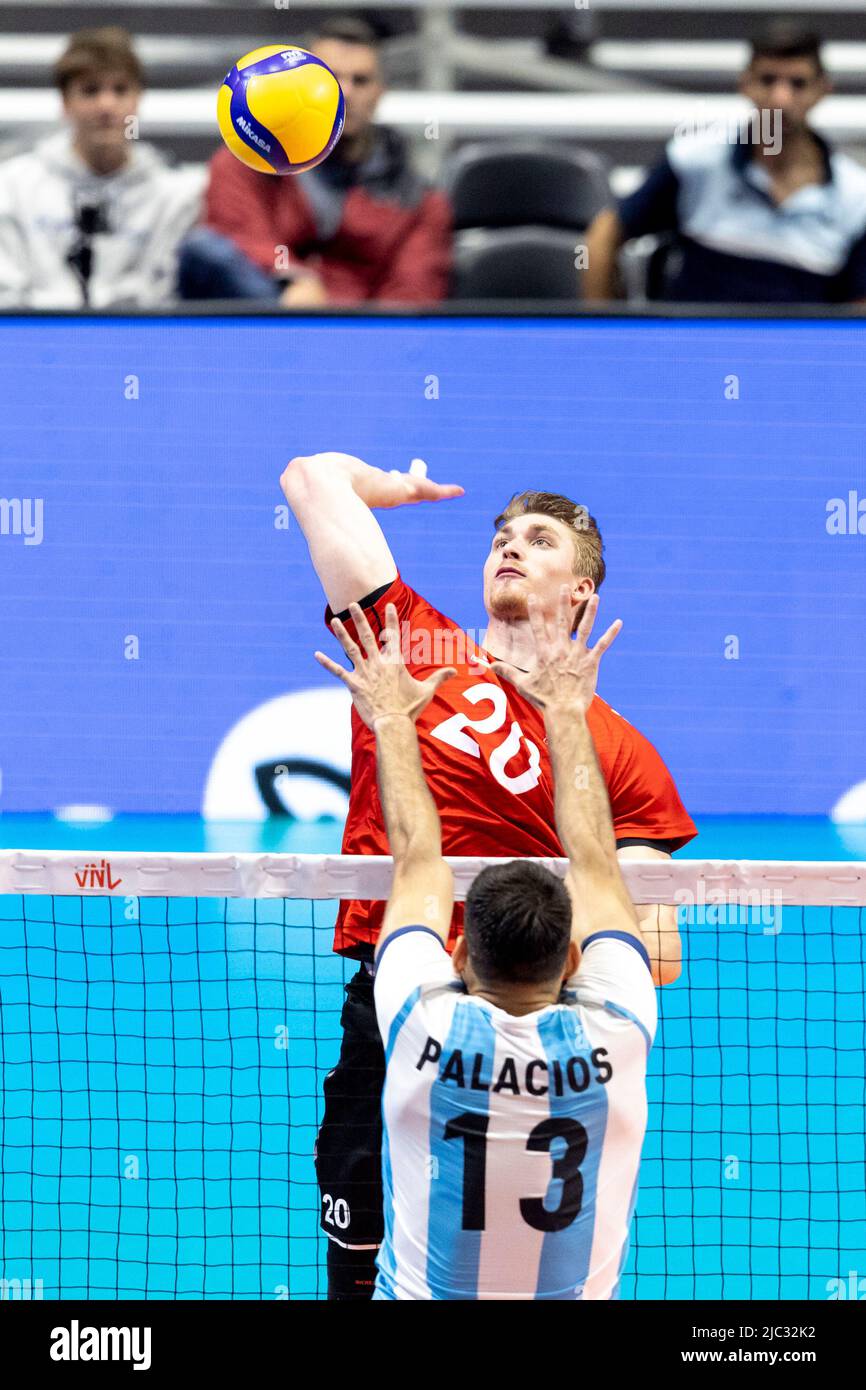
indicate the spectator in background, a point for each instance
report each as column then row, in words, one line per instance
column 360, row 226
column 90, row 216
column 767, row 214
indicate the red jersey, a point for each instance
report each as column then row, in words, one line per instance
column 484, row 754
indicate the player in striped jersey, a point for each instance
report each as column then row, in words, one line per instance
column 514, row 1106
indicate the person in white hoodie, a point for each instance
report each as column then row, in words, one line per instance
column 91, row 217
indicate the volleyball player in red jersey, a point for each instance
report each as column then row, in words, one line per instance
column 485, row 759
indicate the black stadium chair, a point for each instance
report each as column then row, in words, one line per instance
column 519, row 212
column 515, row 263
column 521, row 185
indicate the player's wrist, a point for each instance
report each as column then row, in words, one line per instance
column 390, row 715
column 567, row 707
column 373, row 485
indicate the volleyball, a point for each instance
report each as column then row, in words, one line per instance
column 280, row 110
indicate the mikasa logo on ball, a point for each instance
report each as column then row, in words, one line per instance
column 293, row 55
column 247, row 129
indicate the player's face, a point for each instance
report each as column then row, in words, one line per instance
column 99, row 108
column 531, row 554
column 356, row 68
column 790, row 85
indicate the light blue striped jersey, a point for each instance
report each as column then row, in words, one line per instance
column 511, row 1144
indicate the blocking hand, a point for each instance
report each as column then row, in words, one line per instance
column 566, row 669
column 380, row 684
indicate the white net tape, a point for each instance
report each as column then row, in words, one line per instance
column 686, row 882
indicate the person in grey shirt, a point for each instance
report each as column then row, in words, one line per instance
column 91, row 216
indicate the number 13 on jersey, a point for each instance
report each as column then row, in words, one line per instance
column 566, row 1136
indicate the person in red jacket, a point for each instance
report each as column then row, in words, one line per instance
column 362, row 226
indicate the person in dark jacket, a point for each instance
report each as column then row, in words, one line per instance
column 361, row 226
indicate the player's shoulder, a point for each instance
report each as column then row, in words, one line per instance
column 620, row 731
column 611, row 731
column 615, row 977
column 428, row 637
column 604, row 713
column 415, row 953
column 421, row 603
column 414, row 985
column 407, row 601
column 437, row 987
column 417, row 599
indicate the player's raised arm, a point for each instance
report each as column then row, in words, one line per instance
column 331, row 496
column 389, row 700
column 562, row 684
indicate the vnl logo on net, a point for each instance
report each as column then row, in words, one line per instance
column 23, row 517
column 97, row 876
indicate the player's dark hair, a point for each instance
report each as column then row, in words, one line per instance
column 784, row 39
column 344, row 29
column 517, row 924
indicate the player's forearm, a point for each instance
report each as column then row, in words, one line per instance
column 603, row 240
column 411, row 818
column 332, row 474
column 334, row 477
column 347, row 546
column 583, row 819
column 658, row 927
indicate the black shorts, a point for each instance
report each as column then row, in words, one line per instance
column 349, row 1145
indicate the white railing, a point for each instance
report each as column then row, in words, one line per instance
column 585, row 117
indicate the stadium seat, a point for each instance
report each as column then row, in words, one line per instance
column 515, row 263
column 643, row 267
column 519, row 185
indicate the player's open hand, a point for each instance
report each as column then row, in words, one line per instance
column 380, row 683
column 397, row 488
column 566, row 669
column 375, row 486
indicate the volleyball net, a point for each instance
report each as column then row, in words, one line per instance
column 166, row 1022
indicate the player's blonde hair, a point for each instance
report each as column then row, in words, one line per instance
column 588, row 545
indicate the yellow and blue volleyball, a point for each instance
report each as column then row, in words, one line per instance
column 280, row 110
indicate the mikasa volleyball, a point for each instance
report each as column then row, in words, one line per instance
column 280, row 110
